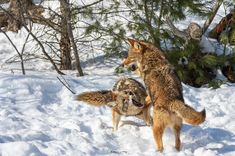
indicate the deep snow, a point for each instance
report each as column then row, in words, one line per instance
column 39, row 116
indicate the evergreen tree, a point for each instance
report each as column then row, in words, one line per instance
column 143, row 18
column 147, row 20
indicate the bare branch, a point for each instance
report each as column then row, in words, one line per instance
column 67, row 86
column 211, row 17
column 66, row 6
column 175, row 30
column 86, row 6
column 18, row 52
column 34, row 37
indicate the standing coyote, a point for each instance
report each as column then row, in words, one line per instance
column 164, row 89
column 126, row 98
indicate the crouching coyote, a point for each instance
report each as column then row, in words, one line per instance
column 164, row 90
column 127, row 98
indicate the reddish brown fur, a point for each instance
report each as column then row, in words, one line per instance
column 165, row 91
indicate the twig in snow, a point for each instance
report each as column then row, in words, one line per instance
column 65, row 84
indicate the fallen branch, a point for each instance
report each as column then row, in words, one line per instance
column 65, row 84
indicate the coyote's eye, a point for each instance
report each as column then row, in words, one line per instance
column 133, row 67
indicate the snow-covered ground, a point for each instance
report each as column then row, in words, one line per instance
column 39, row 116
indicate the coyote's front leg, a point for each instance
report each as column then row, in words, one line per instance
column 116, row 118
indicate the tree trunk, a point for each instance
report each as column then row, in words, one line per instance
column 13, row 24
column 65, row 46
column 67, row 16
column 65, row 51
column 17, row 9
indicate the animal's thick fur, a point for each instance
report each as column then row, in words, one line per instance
column 97, row 98
column 126, row 98
column 164, row 89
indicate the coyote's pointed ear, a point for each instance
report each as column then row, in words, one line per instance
column 138, row 46
column 131, row 41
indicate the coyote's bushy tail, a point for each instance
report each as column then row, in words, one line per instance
column 188, row 114
column 96, row 98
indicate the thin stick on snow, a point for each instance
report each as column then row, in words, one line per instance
column 65, row 84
